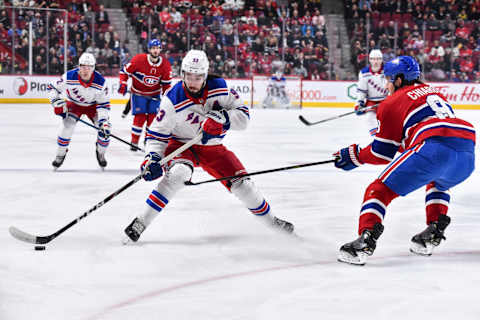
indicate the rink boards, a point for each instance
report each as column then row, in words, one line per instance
column 325, row 94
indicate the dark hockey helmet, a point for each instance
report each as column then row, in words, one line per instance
column 405, row 65
column 154, row 43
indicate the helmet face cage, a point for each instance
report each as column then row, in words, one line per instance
column 405, row 65
column 195, row 62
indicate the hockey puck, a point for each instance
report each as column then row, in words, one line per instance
column 39, row 248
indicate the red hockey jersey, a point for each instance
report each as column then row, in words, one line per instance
column 408, row 117
column 148, row 79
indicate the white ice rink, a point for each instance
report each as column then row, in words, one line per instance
column 206, row 257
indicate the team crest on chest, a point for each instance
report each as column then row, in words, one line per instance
column 150, row 81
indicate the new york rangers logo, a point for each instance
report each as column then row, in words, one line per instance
column 150, row 81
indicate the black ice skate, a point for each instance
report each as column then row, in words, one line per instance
column 58, row 161
column 134, row 147
column 424, row 242
column 356, row 252
column 134, row 230
column 101, row 159
column 282, row 225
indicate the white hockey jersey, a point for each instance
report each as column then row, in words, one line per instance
column 73, row 89
column 371, row 86
column 277, row 86
column 180, row 115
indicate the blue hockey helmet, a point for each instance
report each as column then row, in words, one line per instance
column 154, row 43
column 405, row 65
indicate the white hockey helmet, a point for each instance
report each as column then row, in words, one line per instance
column 375, row 58
column 86, row 59
column 196, row 62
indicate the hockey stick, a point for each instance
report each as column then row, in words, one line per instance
column 190, row 183
column 308, row 123
column 112, row 135
column 148, row 97
column 26, row 237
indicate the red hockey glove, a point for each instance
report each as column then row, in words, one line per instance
column 216, row 123
column 123, row 89
column 59, row 107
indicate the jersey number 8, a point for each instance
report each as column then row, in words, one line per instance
column 441, row 108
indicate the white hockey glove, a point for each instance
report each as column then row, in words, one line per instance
column 59, row 107
column 104, row 127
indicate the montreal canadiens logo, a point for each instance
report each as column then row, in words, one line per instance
column 150, row 81
column 20, row 86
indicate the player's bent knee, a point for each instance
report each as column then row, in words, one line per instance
column 179, row 173
column 243, row 186
column 378, row 190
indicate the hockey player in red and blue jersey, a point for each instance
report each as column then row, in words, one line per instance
column 437, row 151
column 86, row 93
column 151, row 77
column 198, row 103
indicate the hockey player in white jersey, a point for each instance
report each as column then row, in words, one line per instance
column 199, row 103
column 85, row 92
column 276, row 92
column 371, row 89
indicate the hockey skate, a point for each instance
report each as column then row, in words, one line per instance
column 134, row 230
column 101, row 159
column 59, row 161
column 357, row 251
column 282, row 225
column 424, row 242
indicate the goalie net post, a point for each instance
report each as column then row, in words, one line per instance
column 293, row 88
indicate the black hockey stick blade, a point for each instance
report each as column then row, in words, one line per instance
column 190, row 183
column 111, row 134
column 26, row 237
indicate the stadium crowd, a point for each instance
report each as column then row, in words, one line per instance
column 443, row 35
column 243, row 38
column 89, row 30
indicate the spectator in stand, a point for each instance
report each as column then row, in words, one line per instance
column 436, row 55
column 39, row 66
column 55, row 66
column 101, row 16
column 462, row 32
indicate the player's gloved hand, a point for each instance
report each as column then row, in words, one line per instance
column 104, row 127
column 360, row 108
column 123, row 89
column 347, row 158
column 59, row 107
column 217, row 122
column 151, row 167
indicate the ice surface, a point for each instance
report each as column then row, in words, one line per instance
column 206, row 257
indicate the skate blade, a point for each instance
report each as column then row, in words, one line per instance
column 346, row 257
column 421, row 250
